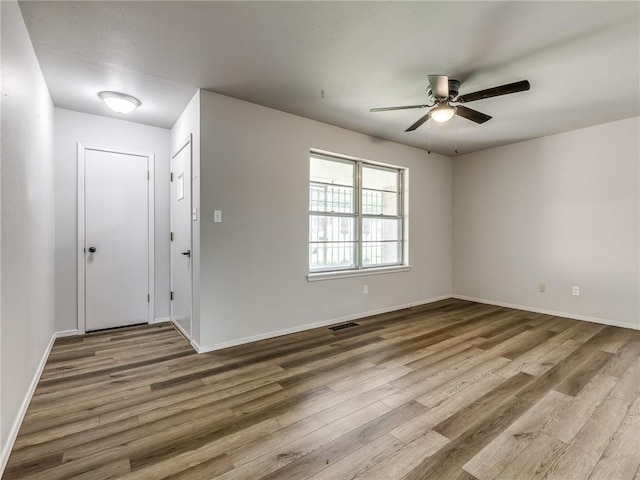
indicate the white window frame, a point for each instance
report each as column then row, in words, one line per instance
column 359, row 269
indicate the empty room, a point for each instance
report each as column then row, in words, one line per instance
column 316, row 240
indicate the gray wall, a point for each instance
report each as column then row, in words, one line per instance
column 562, row 210
column 255, row 168
column 26, row 312
column 71, row 128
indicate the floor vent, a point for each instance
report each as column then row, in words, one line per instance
column 344, row 325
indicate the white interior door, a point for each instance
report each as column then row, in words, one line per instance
column 116, row 239
column 181, row 238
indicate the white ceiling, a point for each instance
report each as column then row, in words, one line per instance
column 582, row 59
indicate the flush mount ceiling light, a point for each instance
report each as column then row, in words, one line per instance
column 442, row 112
column 119, row 102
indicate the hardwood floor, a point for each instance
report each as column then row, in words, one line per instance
column 450, row 390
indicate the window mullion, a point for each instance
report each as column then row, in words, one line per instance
column 323, row 213
column 401, row 199
column 358, row 182
column 375, row 216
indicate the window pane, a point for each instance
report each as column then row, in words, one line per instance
column 330, row 198
column 379, row 229
column 331, row 255
column 375, row 202
column 338, row 231
column 325, row 228
column 379, row 179
column 332, row 172
column 380, row 253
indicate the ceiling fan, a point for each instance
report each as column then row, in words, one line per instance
column 443, row 90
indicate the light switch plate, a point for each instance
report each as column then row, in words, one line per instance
column 217, row 216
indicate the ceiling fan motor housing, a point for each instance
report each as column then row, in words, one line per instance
column 454, row 86
column 441, row 109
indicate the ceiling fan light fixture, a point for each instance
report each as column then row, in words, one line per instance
column 442, row 113
column 119, row 102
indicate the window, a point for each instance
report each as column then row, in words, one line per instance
column 356, row 214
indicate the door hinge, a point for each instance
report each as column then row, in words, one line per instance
column 171, row 176
column 171, row 237
column 147, row 174
column 148, row 298
column 170, row 295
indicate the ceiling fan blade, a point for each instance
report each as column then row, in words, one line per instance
column 515, row 87
column 386, row 109
column 439, row 85
column 418, row 123
column 471, row 114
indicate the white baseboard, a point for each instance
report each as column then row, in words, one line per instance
column 15, row 428
column 160, row 320
column 184, row 334
column 232, row 343
column 310, row 326
column 67, row 333
column 196, row 346
column 573, row 316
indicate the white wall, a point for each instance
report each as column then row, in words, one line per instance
column 255, row 168
column 27, row 293
column 72, row 128
column 189, row 124
column 562, row 210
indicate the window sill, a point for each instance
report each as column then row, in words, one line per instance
column 318, row 276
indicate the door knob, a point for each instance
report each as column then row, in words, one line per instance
column 92, row 249
column 186, row 254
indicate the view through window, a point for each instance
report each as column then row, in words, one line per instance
column 356, row 216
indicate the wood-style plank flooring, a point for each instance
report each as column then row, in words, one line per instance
column 450, row 390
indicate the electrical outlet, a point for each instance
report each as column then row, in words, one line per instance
column 365, row 289
column 542, row 288
column 575, row 291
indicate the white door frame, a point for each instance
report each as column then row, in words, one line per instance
column 186, row 142
column 82, row 323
